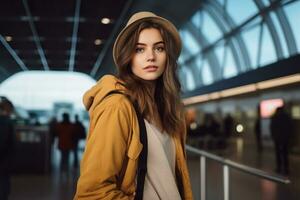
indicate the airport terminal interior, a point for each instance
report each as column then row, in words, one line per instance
column 239, row 68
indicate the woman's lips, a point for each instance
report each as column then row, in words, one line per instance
column 151, row 68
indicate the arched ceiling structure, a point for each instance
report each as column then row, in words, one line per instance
column 221, row 38
column 253, row 34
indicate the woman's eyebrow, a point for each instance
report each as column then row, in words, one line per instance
column 160, row 42
column 156, row 43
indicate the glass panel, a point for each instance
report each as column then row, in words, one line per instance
column 241, row 10
column 209, row 28
column 251, row 38
column 280, row 33
column 268, row 54
column 182, row 78
column 190, row 82
column 195, row 67
column 293, row 14
column 266, row 2
column 197, row 19
column 219, row 50
column 230, row 69
column 221, row 2
column 189, row 41
column 206, row 74
column 182, row 56
column 185, row 54
column 199, row 63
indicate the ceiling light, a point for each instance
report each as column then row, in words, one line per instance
column 243, row 89
column 8, row 38
column 105, row 20
column 279, row 81
column 196, row 99
column 238, row 90
column 214, row 95
column 98, row 42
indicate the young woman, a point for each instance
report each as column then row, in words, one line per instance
column 145, row 53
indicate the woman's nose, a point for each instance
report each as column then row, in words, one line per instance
column 150, row 55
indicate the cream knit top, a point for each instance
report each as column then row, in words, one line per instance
column 160, row 180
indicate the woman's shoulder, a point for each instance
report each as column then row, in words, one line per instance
column 115, row 102
column 113, row 108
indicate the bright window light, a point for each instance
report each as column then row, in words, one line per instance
column 39, row 90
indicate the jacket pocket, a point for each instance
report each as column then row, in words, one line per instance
column 134, row 149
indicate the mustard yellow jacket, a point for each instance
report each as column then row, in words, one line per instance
column 109, row 163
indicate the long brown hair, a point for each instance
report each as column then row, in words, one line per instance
column 167, row 89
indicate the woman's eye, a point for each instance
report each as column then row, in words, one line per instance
column 139, row 50
column 160, row 49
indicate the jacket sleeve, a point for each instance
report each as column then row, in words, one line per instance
column 104, row 154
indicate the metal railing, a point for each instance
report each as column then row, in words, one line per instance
column 226, row 165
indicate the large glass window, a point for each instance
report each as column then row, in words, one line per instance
column 219, row 50
column 267, row 49
column 293, row 13
column 278, row 27
column 188, row 79
column 207, row 26
column 185, row 54
column 266, row 2
column 229, row 69
column 182, row 78
column 240, row 11
column 206, row 74
column 255, row 35
column 39, row 90
column 251, row 38
column 199, row 62
column 190, row 42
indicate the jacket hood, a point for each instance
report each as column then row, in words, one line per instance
column 96, row 94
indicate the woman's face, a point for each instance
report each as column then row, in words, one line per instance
column 149, row 58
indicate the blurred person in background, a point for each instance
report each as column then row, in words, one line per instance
column 228, row 125
column 281, row 131
column 258, row 131
column 79, row 133
column 52, row 129
column 65, row 132
column 213, row 130
column 6, row 146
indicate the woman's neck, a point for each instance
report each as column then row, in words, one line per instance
column 152, row 89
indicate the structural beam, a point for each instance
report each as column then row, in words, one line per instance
column 36, row 37
column 74, row 36
column 110, row 39
column 13, row 53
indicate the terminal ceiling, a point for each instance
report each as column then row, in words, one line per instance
column 69, row 36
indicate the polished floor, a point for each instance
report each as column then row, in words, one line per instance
column 49, row 186
column 56, row 186
column 244, row 186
